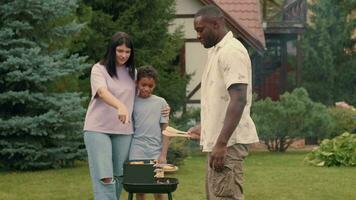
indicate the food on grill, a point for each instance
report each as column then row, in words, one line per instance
column 166, row 167
column 137, row 163
column 159, row 173
column 169, row 167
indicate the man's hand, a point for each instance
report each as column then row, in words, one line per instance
column 217, row 157
column 194, row 132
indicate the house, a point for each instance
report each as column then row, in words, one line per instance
column 270, row 29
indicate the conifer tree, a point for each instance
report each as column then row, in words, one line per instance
column 39, row 127
column 329, row 71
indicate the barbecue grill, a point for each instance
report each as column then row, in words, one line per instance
column 139, row 178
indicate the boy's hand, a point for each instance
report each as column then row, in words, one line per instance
column 162, row 159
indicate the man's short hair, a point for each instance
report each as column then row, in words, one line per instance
column 209, row 11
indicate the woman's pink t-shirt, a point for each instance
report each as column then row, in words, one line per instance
column 102, row 117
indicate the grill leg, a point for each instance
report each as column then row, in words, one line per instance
column 130, row 196
column 170, row 196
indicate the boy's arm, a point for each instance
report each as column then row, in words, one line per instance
column 165, row 144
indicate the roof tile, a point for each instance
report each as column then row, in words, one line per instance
column 247, row 13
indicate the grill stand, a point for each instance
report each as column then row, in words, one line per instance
column 168, row 193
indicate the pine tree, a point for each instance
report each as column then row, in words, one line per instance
column 329, row 71
column 147, row 23
column 39, row 127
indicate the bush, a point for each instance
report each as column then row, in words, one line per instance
column 178, row 151
column 344, row 121
column 340, row 151
column 188, row 119
column 294, row 116
column 180, row 148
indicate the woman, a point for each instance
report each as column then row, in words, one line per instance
column 107, row 128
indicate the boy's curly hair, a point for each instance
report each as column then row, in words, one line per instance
column 147, row 71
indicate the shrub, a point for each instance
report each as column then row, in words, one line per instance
column 178, row 151
column 344, row 121
column 340, row 151
column 294, row 116
column 180, row 148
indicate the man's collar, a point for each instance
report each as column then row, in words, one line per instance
column 222, row 42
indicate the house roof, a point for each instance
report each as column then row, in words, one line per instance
column 245, row 18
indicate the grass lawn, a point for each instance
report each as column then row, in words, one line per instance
column 268, row 176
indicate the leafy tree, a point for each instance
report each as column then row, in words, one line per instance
column 329, row 71
column 39, row 127
column 147, row 23
column 294, row 116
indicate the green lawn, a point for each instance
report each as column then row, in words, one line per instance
column 267, row 177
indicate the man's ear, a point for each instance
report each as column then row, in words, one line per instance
column 218, row 22
column 215, row 24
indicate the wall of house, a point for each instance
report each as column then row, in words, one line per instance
column 187, row 27
column 195, row 54
column 188, row 6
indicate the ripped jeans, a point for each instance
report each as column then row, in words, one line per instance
column 106, row 156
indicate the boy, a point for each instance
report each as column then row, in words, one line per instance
column 148, row 141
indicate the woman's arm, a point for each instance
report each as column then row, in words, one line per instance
column 108, row 98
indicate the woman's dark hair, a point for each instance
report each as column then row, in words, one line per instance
column 109, row 60
column 147, row 72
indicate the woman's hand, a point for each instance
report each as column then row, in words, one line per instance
column 123, row 114
column 165, row 111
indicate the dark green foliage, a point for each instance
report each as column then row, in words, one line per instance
column 339, row 151
column 147, row 23
column 39, row 127
column 188, row 119
column 294, row 116
column 180, row 148
column 178, row 151
column 329, row 71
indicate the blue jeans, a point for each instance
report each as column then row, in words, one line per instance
column 106, row 156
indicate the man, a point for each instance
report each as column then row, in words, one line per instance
column 226, row 92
